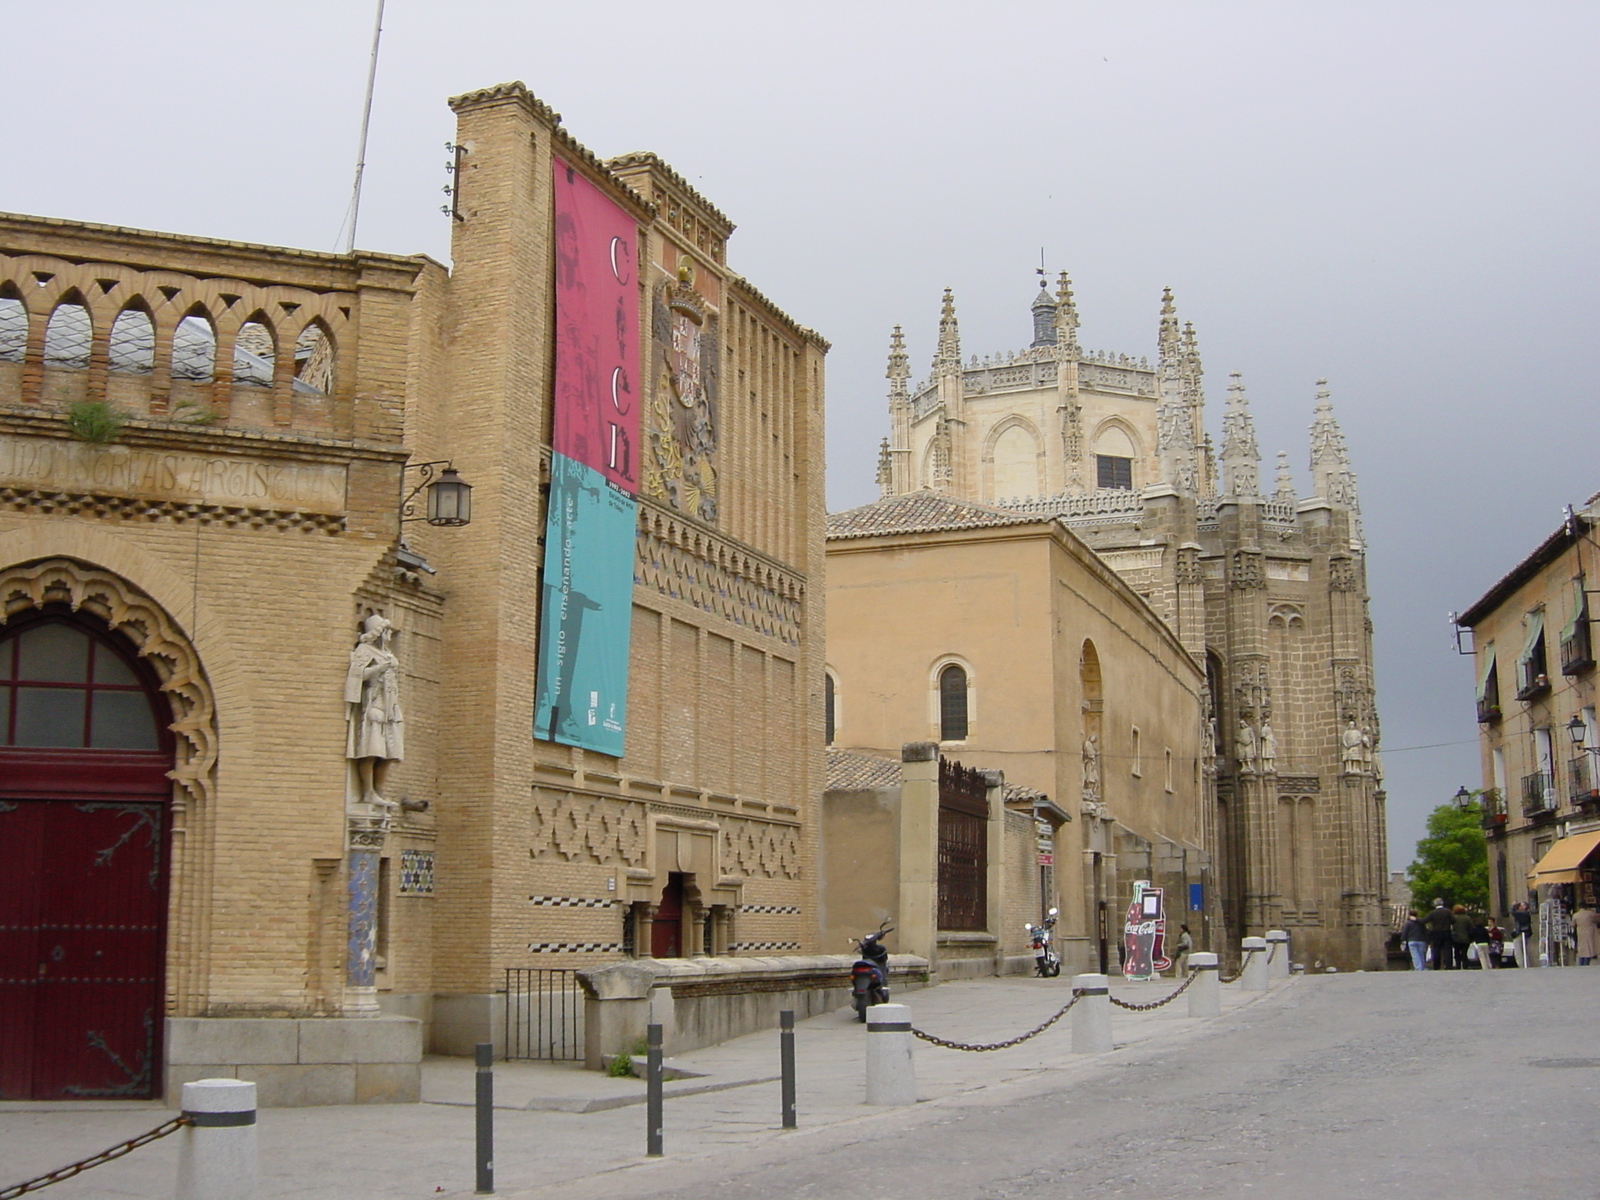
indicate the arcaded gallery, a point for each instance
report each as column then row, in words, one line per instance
column 377, row 633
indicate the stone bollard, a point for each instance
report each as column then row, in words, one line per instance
column 891, row 1073
column 1277, row 955
column 217, row 1157
column 1205, row 993
column 1253, row 976
column 1091, row 1016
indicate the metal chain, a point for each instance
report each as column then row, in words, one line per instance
column 105, row 1156
column 1239, row 974
column 1132, row 1007
column 980, row 1047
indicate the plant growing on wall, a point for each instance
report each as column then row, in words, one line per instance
column 94, row 421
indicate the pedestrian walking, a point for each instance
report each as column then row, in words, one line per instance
column 1180, row 960
column 1497, row 943
column 1478, row 952
column 1460, row 935
column 1521, row 931
column 1438, row 922
column 1414, row 937
column 1586, row 926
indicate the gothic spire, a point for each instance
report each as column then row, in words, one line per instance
column 1066, row 316
column 1331, row 477
column 947, row 358
column 1175, row 430
column 1241, row 458
column 1192, row 374
column 899, row 366
column 1284, row 493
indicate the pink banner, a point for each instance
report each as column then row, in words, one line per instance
column 596, row 420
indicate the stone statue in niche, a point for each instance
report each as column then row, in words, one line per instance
column 1091, row 767
column 377, row 734
column 1268, row 748
column 1355, row 744
column 1244, row 747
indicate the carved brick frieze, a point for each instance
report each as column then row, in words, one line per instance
column 716, row 576
column 1298, row 785
column 760, row 849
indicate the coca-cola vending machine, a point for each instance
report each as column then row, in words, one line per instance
column 1144, row 934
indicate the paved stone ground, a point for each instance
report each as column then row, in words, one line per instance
column 1458, row 1085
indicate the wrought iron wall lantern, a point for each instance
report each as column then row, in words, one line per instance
column 449, row 500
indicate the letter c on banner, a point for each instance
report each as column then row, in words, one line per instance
column 619, row 388
column 616, row 271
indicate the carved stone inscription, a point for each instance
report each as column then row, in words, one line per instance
column 226, row 480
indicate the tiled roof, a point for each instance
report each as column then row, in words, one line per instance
column 1016, row 792
column 923, row 512
column 849, row 772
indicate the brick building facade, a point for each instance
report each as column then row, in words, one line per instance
column 204, row 448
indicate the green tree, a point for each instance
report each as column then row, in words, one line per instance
column 1452, row 861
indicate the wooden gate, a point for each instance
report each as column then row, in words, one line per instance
column 85, row 752
column 963, row 848
column 81, row 949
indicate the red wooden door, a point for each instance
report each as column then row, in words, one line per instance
column 84, row 755
column 666, row 931
column 81, row 949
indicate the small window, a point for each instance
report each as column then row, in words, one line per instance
column 255, row 355
column 133, row 343
column 62, row 689
column 1138, row 766
column 827, row 710
column 1169, row 771
column 952, row 704
column 67, row 337
column 1113, row 471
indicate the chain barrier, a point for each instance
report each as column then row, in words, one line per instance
column 980, row 1047
column 1239, row 974
column 1132, row 1007
column 95, row 1160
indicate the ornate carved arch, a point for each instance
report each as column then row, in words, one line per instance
column 153, row 633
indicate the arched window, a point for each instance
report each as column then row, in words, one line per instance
column 313, row 361
column 62, row 689
column 66, row 338
column 255, row 355
column 194, row 349
column 828, row 714
column 13, row 329
column 953, row 704
column 133, row 343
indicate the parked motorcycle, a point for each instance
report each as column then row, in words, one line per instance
column 1046, row 962
column 869, row 975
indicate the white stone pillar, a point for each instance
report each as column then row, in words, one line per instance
column 1253, row 976
column 1277, row 955
column 1205, row 993
column 217, row 1156
column 1091, row 1016
column 891, row 1072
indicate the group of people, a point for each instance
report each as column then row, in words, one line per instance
column 1452, row 939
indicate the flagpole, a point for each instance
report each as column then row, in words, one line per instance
column 366, row 121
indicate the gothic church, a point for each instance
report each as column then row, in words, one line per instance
column 1266, row 591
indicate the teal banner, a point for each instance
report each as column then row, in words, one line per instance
column 588, row 610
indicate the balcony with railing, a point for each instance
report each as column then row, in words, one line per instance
column 1577, row 649
column 1538, row 795
column 1493, row 803
column 1489, row 708
column 1532, row 681
column 1581, row 780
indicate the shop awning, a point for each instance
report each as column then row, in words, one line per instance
column 1561, row 862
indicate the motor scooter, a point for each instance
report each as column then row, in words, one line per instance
column 1046, row 962
column 869, row 974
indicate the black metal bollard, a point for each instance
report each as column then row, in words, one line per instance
column 652, row 1087
column 484, row 1053
column 786, row 1059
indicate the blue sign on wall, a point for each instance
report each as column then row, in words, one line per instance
column 1197, row 897
column 582, row 690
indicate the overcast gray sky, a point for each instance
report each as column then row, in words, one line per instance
column 1399, row 197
